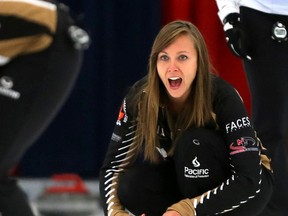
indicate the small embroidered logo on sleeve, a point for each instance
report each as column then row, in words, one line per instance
column 243, row 144
column 122, row 116
column 6, row 84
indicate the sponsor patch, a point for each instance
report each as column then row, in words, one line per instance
column 238, row 124
column 242, row 145
column 196, row 171
column 116, row 137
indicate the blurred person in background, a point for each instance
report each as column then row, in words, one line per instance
column 41, row 51
column 256, row 31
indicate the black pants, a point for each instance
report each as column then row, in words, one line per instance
column 200, row 164
column 267, row 76
column 44, row 81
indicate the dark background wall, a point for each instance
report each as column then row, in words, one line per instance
column 122, row 33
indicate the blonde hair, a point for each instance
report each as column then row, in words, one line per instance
column 198, row 108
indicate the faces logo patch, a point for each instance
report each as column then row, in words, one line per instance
column 238, row 124
column 122, row 116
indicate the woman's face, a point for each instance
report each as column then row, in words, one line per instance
column 177, row 66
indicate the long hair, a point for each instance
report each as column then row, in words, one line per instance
column 198, row 107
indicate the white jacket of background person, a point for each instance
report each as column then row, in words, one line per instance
column 226, row 7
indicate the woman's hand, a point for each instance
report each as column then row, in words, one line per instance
column 171, row 213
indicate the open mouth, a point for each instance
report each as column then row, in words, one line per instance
column 175, row 82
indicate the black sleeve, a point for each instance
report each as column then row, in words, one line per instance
column 118, row 157
column 244, row 154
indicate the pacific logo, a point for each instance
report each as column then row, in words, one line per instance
column 196, row 172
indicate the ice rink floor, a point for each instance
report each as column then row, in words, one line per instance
column 35, row 187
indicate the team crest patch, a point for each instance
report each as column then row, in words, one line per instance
column 122, row 116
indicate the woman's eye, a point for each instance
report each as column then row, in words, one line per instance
column 183, row 57
column 164, row 57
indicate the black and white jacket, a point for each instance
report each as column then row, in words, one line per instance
column 247, row 155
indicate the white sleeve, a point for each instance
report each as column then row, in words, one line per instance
column 226, row 7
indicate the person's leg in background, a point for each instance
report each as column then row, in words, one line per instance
column 41, row 81
column 267, row 75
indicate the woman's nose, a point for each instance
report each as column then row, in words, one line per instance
column 172, row 67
